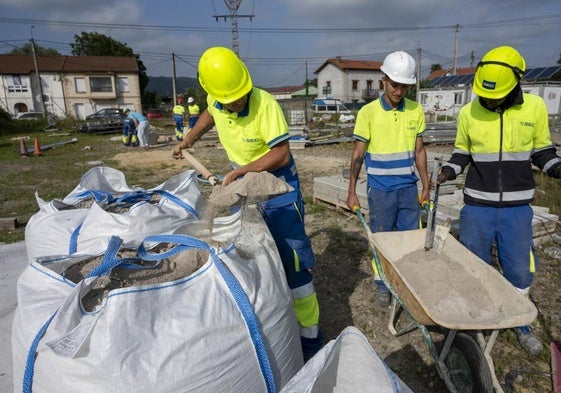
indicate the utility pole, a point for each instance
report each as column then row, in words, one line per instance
column 306, row 97
column 418, row 96
column 456, row 38
column 42, row 99
column 173, row 79
column 233, row 6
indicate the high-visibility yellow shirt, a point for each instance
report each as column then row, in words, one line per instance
column 390, row 135
column 194, row 110
column 178, row 110
column 248, row 135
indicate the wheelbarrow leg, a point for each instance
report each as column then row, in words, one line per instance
column 487, row 348
column 394, row 309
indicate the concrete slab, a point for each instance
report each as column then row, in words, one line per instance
column 13, row 260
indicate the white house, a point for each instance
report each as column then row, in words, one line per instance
column 70, row 85
column 351, row 81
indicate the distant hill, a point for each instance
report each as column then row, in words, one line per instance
column 163, row 85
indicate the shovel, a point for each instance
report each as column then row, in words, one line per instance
column 431, row 216
column 254, row 185
column 213, row 180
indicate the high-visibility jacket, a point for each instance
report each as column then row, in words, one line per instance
column 501, row 147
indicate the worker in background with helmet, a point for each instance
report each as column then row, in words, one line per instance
column 179, row 118
column 388, row 140
column 194, row 111
column 252, row 129
column 129, row 132
column 142, row 127
column 500, row 135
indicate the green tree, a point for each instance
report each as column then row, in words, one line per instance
column 435, row 67
column 96, row 44
column 39, row 50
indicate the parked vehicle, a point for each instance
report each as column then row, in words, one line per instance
column 106, row 120
column 29, row 116
column 154, row 114
column 107, row 115
column 329, row 106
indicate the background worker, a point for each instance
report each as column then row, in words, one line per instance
column 253, row 131
column 179, row 118
column 500, row 135
column 142, row 127
column 388, row 134
column 129, row 133
column 194, row 111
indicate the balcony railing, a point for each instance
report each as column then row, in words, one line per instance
column 370, row 94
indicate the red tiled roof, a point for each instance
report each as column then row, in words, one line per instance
column 348, row 64
column 23, row 64
column 284, row 89
column 459, row 71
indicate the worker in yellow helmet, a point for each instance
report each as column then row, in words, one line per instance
column 253, row 131
column 179, row 118
column 500, row 136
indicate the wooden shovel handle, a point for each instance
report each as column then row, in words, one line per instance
column 207, row 175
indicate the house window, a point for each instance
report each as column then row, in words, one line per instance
column 123, row 84
column 458, row 98
column 80, row 84
column 355, row 85
column 326, row 90
column 101, row 84
column 424, row 98
column 17, row 86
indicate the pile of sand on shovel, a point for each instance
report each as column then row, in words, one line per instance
column 245, row 192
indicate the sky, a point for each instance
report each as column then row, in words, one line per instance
column 283, row 42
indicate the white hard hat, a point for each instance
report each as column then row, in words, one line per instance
column 400, row 67
column 190, row 100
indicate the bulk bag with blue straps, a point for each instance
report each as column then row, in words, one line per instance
column 229, row 326
column 346, row 364
column 103, row 205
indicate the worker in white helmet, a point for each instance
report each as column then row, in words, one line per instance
column 194, row 111
column 388, row 140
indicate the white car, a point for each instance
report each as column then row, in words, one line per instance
column 29, row 116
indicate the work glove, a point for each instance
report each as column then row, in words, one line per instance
column 445, row 175
column 177, row 154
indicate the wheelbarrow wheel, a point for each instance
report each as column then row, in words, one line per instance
column 468, row 369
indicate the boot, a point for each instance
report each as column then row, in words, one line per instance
column 528, row 341
column 383, row 295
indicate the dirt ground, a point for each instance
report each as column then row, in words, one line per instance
column 345, row 288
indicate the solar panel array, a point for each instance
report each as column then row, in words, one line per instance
column 540, row 73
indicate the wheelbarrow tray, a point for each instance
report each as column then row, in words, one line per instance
column 453, row 288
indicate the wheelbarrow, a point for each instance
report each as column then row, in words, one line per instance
column 452, row 288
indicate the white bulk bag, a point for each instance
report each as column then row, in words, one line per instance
column 59, row 228
column 346, row 364
column 227, row 327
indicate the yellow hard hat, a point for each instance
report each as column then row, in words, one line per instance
column 223, row 75
column 498, row 72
